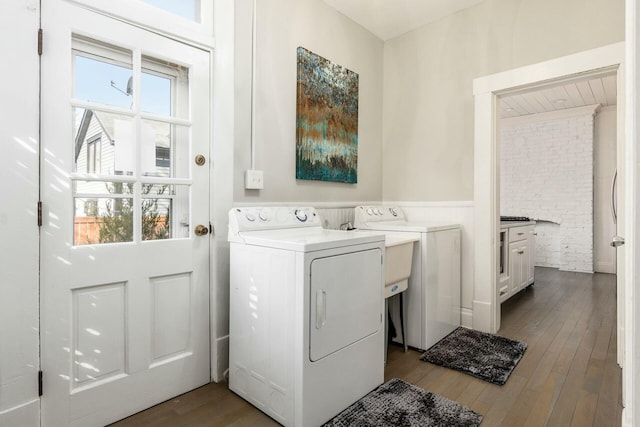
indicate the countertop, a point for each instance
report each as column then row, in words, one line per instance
column 509, row 224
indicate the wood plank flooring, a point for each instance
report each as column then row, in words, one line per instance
column 567, row 377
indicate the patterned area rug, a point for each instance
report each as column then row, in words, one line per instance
column 399, row 404
column 486, row 356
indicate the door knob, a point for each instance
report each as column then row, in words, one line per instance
column 201, row 230
column 617, row 241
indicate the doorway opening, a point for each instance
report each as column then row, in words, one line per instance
column 487, row 90
column 556, row 147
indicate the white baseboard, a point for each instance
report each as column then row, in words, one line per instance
column 27, row 414
column 605, row 267
column 482, row 316
column 466, row 317
column 218, row 370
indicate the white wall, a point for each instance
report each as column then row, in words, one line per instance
column 281, row 27
column 428, row 73
column 546, row 173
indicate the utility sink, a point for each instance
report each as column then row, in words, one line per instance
column 399, row 254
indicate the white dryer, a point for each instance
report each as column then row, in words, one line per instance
column 306, row 334
column 432, row 302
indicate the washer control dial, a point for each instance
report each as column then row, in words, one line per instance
column 264, row 216
column 250, row 217
column 301, row 215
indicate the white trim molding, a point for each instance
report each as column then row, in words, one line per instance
column 319, row 205
column 433, row 204
column 631, row 297
column 551, row 115
column 159, row 21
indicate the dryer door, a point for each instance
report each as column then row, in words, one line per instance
column 346, row 301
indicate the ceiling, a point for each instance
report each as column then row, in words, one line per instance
column 391, row 18
column 576, row 93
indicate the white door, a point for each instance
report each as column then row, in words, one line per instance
column 124, row 275
column 19, row 351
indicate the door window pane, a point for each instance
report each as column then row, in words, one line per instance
column 102, row 81
column 156, row 94
column 165, row 149
column 164, row 88
column 102, row 220
column 165, row 211
column 103, row 142
column 189, row 9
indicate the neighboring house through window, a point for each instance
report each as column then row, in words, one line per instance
column 94, row 154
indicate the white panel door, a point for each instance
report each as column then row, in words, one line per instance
column 125, row 277
column 19, row 362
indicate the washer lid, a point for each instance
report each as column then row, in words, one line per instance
column 308, row 239
column 399, row 238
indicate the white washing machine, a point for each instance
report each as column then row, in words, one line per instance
column 306, row 334
column 432, row 302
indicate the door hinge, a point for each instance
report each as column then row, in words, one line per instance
column 39, row 213
column 39, row 383
column 39, row 41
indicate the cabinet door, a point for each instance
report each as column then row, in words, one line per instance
column 525, row 265
column 531, row 245
column 515, row 268
column 518, row 266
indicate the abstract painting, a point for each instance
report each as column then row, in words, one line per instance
column 326, row 120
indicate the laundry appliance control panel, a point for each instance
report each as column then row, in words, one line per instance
column 256, row 218
column 366, row 214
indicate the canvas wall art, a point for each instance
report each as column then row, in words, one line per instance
column 327, row 120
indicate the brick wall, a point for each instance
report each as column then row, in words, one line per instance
column 546, row 173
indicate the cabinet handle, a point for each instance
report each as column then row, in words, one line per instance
column 520, row 252
column 520, row 234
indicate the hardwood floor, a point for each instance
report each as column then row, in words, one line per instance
column 567, row 377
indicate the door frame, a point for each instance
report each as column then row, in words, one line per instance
column 19, row 231
column 631, row 365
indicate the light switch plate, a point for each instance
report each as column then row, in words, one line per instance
column 253, row 179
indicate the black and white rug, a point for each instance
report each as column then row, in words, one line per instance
column 399, row 404
column 485, row 356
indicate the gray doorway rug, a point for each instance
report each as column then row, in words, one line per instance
column 400, row 404
column 485, row 356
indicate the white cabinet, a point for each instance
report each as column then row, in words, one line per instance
column 518, row 244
